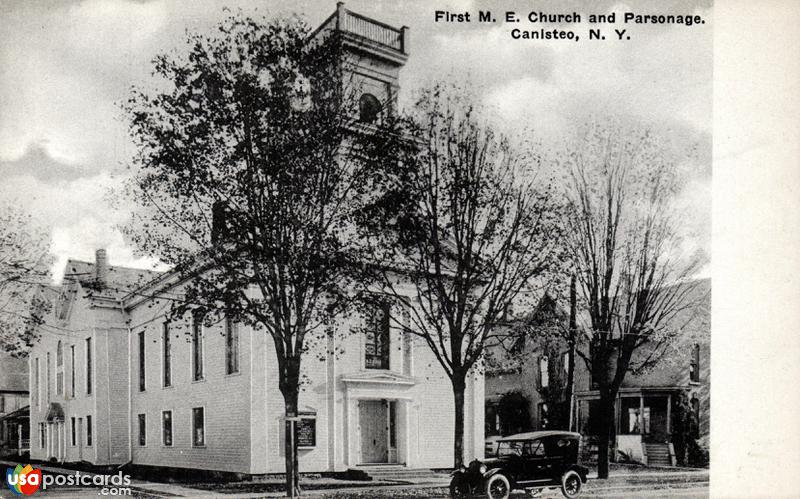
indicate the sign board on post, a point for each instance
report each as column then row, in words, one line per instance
column 306, row 430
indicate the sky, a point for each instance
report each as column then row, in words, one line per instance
column 65, row 66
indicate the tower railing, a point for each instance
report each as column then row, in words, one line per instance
column 350, row 22
column 372, row 30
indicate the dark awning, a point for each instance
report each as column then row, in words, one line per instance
column 54, row 412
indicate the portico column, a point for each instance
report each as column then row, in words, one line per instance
column 348, row 430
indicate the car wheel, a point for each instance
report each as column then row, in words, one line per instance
column 571, row 484
column 497, row 487
column 459, row 489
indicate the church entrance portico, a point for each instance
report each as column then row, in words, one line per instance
column 377, row 419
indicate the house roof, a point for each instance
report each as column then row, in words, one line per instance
column 20, row 414
column 13, row 373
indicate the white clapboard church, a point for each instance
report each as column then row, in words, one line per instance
column 111, row 382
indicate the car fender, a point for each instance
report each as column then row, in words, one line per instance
column 490, row 473
column 583, row 471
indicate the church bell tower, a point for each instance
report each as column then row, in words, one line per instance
column 372, row 55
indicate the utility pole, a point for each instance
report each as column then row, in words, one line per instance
column 571, row 355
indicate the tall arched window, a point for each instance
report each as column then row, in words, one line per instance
column 369, row 108
column 544, row 371
column 376, row 343
column 694, row 364
column 59, row 369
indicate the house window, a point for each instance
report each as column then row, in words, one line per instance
column 60, row 369
column 142, row 429
column 519, row 345
column 166, row 345
column 198, row 427
column 72, row 371
column 142, row 382
column 376, row 348
column 166, row 428
column 42, row 435
column 88, row 431
column 88, row 366
column 492, row 419
column 639, row 421
column 544, row 373
column 2, row 403
column 694, row 365
column 197, row 348
column 47, row 379
column 369, row 108
column 36, row 382
column 544, row 417
column 74, row 431
column 231, row 347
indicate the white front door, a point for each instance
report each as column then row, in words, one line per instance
column 374, row 428
column 50, row 441
column 80, row 439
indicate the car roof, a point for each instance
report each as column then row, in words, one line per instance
column 532, row 435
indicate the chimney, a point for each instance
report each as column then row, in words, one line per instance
column 218, row 222
column 101, row 268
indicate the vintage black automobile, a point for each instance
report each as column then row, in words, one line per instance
column 535, row 460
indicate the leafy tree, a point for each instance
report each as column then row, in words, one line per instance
column 514, row 410
column 465, row 217
column 624, row 237
column 24, row 269
column 247, row 184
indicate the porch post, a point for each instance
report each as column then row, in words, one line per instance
column 641, row 415
column 669, row 416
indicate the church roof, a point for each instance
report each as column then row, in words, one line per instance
column 119, row 281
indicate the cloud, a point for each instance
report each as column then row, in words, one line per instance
column 37, row 163
column 81, row 240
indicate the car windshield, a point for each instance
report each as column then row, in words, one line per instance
column 520, row 448
column 512, row 448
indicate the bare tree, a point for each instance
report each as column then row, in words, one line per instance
column 470, row 225
column 246, row 184
column 625, row 239
column 24, row 269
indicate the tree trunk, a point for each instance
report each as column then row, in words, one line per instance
column 606, row 431
column 459, row 386
column 290, row 444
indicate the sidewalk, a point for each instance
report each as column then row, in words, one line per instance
column 180, row 490
column 155, row 488
column 640, row 478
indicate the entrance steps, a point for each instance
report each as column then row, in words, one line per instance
column 658, row 455
column 393, row 473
